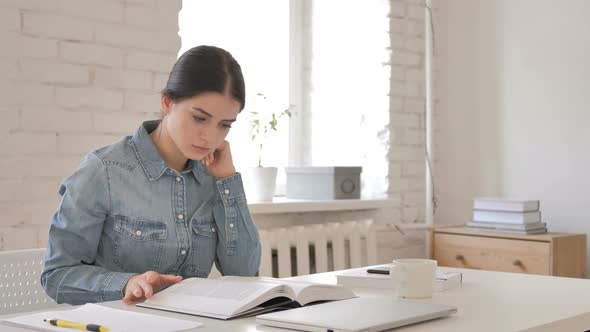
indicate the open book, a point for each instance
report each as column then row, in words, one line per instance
column 231, row 297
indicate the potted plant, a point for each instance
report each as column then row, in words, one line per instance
column 261, row 181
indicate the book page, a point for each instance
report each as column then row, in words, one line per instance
column 295, row 286
column 115, row 320
column 214, row 297
column 306, row 292
column 235, row 291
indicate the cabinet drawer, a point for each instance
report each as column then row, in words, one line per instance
column 485, row 253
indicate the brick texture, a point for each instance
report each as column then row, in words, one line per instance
column 82, row 73
column 67, row 71
column 407, row 136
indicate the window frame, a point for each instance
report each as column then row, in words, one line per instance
column 300, row 38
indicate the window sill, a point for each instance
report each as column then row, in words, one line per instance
column 283, row 205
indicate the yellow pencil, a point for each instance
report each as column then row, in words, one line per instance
column 74, row 325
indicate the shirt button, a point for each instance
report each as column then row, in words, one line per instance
column 226, row 191
column 180, row 216
column 178, row 179
column 183, row 252
column 213, row 230
column 138, row 232
column 231, row 225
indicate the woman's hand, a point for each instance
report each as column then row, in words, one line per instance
column 146, row 284
column 220, row 163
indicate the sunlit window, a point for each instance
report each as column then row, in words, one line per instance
column 347, row 82
column 350, row 86
column 256, row 33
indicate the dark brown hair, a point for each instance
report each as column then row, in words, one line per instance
column 205, row 69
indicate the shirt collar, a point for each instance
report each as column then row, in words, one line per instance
column 152, row 164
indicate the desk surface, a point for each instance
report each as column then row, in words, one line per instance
column 487, row 301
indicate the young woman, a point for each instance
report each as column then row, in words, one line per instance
column 163, row 204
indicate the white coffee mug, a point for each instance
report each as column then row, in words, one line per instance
column 413, row 278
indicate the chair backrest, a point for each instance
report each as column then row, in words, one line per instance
column 300, row 250
column 20, row 288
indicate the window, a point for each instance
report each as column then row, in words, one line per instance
column 260, row 43
column 324, row 57
column 349, row 102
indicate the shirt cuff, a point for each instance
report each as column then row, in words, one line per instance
column 231, row 187
column 113, row 289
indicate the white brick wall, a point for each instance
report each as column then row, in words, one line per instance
column 81, row 74
column 117, row 123
column 56, row 26
column 54, row 120
column 88, row 53
column 45, row 5
column 27, row 144
column 406, row 171
column 109, row 11
column 97, row 98
column 22, row 92
column 10, row 20
column 52, row 71
column 149, row 61
column 129, row 79
column 34, row 47
column 68, row 70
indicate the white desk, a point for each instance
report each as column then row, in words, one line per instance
column 487, row 301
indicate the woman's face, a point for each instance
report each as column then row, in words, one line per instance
column 199, row 125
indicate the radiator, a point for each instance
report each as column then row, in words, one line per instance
column 300, row 250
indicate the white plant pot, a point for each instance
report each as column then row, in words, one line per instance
column 259, row 183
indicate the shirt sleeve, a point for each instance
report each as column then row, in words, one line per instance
column 238, row 248
column 69, row 271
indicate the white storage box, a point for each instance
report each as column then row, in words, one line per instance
column 323, row 183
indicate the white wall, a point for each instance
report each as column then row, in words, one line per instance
column 515, row 107
column 406, row 117
column 74, row 75
column 78, row 74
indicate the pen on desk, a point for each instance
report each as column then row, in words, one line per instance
column 378, row 271
column 75, row 325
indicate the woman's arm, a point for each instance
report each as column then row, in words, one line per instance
column 238, row 248
column 69, row 274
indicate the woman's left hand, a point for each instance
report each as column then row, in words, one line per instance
column 220, row 163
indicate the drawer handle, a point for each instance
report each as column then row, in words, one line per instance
column 460, row 257
column 517, row 262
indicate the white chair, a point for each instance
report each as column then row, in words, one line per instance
column 20, row 288
column 300, row 250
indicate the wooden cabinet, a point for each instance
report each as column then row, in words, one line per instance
column 557, row 254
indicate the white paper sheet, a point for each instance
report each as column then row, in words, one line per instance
column 114, row 319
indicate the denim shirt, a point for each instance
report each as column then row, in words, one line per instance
column 125, row 212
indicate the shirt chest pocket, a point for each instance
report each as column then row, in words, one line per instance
column 139, row 243
column 205, row 227
column 204, row 244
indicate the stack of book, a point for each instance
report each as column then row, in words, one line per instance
column 506, row 215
